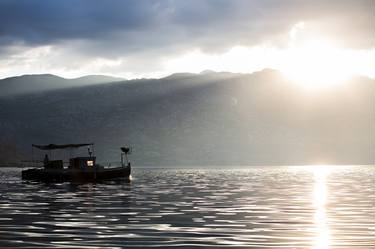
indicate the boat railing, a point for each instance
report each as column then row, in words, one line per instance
column 109, row 165
column 31, row 163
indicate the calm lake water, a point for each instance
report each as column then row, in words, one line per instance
column 258, row 207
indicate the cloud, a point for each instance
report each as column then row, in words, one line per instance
column 149, row 24
column 124, row 30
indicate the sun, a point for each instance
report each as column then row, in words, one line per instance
column 315, row 64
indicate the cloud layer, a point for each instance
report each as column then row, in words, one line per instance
column 137, row 37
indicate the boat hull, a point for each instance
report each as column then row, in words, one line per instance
column 54, row 175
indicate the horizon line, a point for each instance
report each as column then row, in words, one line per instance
column 121, row 78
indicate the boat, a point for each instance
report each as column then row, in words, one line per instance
column 79, row 169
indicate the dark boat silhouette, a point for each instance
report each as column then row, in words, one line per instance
column 79, row 169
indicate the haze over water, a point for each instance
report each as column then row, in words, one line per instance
column 255, row 207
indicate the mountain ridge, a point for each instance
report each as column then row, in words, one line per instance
column 206, row 119
column 33, row 83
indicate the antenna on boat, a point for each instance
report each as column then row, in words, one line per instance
column 125, row 152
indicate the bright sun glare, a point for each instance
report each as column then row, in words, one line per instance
column 315, row 64
column 311, row 59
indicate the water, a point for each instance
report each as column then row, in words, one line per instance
column 259, row 207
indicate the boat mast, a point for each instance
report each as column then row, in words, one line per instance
column 125, row 152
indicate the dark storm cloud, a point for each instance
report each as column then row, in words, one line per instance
column 43, row 21
column 124, row 26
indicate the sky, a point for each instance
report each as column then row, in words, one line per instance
column 155, row 38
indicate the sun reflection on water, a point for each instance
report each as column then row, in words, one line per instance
column 322, row 239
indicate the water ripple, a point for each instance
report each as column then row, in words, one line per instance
column 259, row 207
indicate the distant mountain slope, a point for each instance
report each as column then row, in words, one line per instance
column 203, row 119
column 43, row 82
column 94, row 79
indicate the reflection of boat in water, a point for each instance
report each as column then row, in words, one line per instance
column 80, row 169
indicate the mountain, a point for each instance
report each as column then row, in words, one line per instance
column 94, row 79
column 42, row 82
column 202, row 119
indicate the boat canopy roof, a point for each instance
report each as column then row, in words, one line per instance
column 60, row 146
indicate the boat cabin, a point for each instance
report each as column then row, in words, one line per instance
column 55, row 164
column 82, row 162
